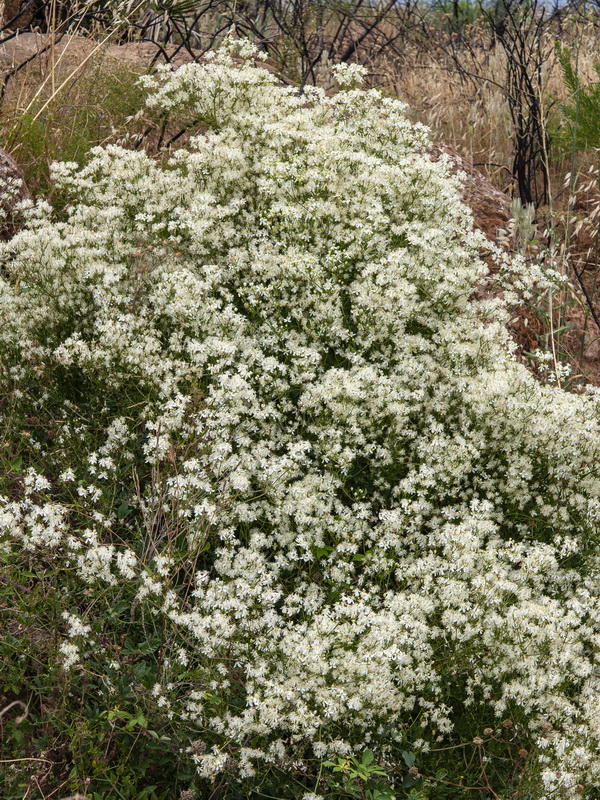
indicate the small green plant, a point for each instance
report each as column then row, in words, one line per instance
column 581, row 113
column 363, row 778
column 520, row 234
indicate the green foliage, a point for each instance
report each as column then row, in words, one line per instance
column 362, row 778
column 580, row 127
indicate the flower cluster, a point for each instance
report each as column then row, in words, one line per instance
column 269, row 411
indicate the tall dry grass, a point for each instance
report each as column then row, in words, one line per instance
column 469, row 110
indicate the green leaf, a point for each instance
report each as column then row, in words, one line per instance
column 368, row 757
column 409, row 758
column 145, row 793
column 320, row 552
column 410, row 781
column 117, row 714
column 381, row 794
column 139, row 720
column 123, row 510
column 147, row 647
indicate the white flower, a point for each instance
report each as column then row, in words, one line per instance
column 70, row 652
column 76, row 626
column 349, row 76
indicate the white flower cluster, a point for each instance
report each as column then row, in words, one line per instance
column 349, row 76
column 269, row 343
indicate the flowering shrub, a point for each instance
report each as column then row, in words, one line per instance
column 293, row 518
